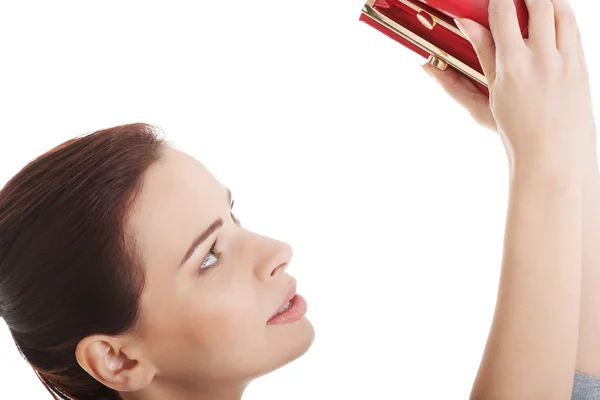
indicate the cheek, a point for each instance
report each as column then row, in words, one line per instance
column 222, row 318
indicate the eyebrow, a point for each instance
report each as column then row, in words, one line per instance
column 201, row 238
column 204, row 235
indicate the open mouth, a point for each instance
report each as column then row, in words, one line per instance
column 293, row 310
column 284, row 308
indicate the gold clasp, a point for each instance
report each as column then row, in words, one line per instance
column 438, row 57
column 436, row 62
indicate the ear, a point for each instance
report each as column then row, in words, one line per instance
column 112, row 363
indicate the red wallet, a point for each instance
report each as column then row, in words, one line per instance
column 427, row 27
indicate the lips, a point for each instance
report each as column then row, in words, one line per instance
column 292, row 309
column 288, row 297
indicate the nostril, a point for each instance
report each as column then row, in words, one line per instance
column 278, row 268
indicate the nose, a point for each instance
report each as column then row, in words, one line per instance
column 271, row 257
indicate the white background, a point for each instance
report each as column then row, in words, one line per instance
column 330, row 136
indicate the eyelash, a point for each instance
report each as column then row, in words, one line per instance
column 211, row 253
column 203, row 268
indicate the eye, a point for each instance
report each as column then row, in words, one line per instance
column 211, row 259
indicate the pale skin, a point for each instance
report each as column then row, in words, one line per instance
column 547, row 320
column 203, row 331
column 187, row 343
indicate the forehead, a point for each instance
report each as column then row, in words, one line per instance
column 179, row 198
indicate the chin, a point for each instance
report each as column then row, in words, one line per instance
column 290, row 341
column 307, row 336
column 304, row 336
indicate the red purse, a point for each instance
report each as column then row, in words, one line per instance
column 427, row 27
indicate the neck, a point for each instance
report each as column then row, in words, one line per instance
column 172, row 390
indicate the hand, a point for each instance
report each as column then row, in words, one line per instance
column 539, row 87
column 464, row 91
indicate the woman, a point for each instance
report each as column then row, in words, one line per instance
column 124, row 274
column 123, row 269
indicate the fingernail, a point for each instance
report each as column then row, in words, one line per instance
column 461, row 27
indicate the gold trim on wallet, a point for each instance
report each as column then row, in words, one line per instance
column 438, row 55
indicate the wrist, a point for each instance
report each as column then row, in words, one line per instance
column 549, row 175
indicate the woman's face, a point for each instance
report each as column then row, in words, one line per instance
column 206, row 315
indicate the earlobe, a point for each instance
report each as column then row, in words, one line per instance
column 109, row 362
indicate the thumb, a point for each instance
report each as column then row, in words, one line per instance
column 483, row 43
column 465, row 93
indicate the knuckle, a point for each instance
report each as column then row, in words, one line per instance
column 541, row 7
column 574, row 71
column 567, row 16
column 497, row 8
column 567, row 20
column 548, row 64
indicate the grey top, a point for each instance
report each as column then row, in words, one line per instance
column 585, row 387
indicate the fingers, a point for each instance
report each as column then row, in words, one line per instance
column 484, row 46
column 542, row 29
column 505, row 27
column 462, row 89
column 568, row 40
column 552, row 25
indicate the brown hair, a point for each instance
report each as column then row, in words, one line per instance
column 67, row 269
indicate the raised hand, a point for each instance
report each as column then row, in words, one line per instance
column 539, row 87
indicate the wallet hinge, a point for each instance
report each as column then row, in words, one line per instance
column 439, row 56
